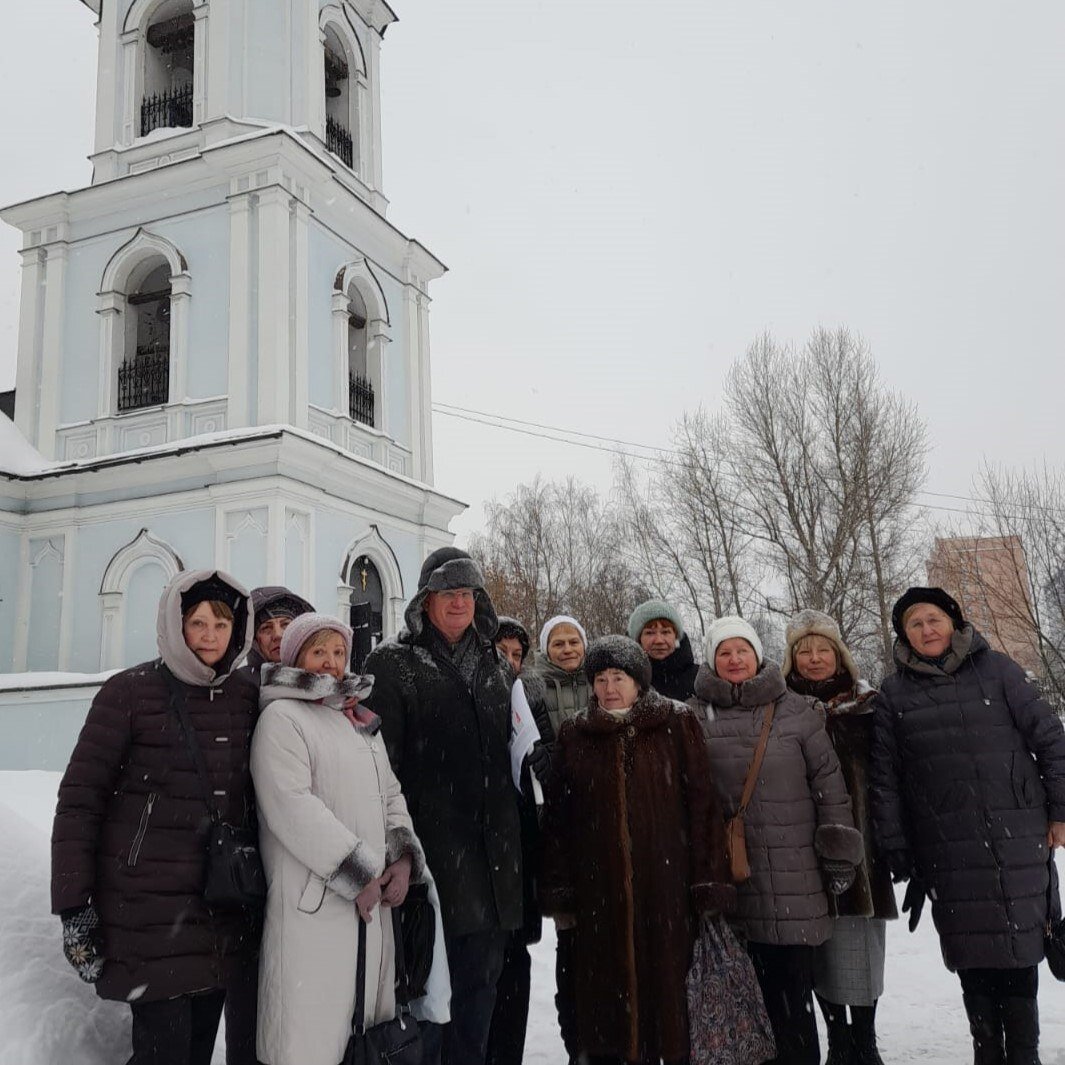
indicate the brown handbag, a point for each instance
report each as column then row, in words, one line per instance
column 735, row 835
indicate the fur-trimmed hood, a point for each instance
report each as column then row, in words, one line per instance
column 176, row 654
column 288, row 682
column 964, row 643
column 766, row 686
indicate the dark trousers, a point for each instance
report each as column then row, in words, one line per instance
column 785, row 975
column 510, row 1018
column 182, row 1030
column 475, row 962
column 1003, row 1014
column 566, row 993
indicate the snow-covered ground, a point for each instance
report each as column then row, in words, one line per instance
column 48, row 1017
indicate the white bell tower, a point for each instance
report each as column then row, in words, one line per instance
column 223, row 351
column 231, row 264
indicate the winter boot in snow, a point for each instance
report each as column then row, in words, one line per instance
column 985, row 1023
column 840, row 1042
column 863, row 1031
column 1020, row 1020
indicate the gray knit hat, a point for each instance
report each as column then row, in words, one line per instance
column 618, row 652
column 650, row 611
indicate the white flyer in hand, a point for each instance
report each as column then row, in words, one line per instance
column 524, row 731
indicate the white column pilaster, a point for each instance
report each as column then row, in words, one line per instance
column 275, row 301
column 340, row 353
column 52, row 348
column 201, row 56
column 299, row 319
column 28, row 368
column 240, row 276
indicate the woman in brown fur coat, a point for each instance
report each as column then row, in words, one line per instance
column 634, row 854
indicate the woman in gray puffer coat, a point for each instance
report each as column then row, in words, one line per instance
column 968, row 795
column 799, row 830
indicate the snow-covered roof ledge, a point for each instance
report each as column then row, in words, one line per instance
column 92, row 5
column 21, row 682
column 17, row 454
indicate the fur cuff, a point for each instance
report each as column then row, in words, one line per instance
column 839, row 842
column 718, row 898
column 400, row 841
column 355, row 872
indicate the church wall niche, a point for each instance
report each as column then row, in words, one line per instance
column 47, row 560
column 244, row 549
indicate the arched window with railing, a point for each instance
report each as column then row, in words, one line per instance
column 161, row 38
column 344, row 85
column 143, row 308
column 362, row 334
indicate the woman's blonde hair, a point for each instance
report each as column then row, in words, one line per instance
column 218, row 608
column 317, row 640
column 805, row 642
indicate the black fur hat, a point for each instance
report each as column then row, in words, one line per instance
column 618, row 652
column 935, row 596
column 512, row 629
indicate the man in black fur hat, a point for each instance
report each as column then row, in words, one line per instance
column 444, row 703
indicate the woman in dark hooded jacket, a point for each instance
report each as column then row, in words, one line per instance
column 129, row 842
column 658, row 628
column 968, row 797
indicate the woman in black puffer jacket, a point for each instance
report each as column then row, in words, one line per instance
column 968, row 795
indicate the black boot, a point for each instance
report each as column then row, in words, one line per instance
column 863, row 1031
column 985, row 1023
column 1020, row 1020
column 840, row 1043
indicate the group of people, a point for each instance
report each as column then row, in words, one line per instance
column 950, row 777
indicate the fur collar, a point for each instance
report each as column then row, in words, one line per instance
column 964, row 643
column 288, row 682
column 766, row 686
column 649, row 711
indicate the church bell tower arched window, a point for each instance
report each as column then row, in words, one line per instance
column 168, row 62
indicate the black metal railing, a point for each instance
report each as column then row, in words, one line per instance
column 338, row 140
column 360, row 399
column 170, row 108
column 144, row 380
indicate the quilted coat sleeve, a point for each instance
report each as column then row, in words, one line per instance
column 711, row 882
column 836, row 836
column 556, row 880
column 84, row 791
column 87, row 784
column 304, row 825
column 1042, row 731
column 885, row 775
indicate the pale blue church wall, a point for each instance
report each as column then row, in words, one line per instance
column 9, row 577
column 203, row 238
column 38, row 730
column 325, row 256
column 191, row 533
column 270, row 83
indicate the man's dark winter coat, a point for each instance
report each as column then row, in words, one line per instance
column 131, row 822
column 968, row 768
column 449, row 746
column 674, row 677
column 634, row 848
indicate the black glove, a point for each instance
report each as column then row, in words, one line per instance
column 82, row 942
column 539, row 761
column 900, row 863
column 840, row 874
column 913, row 902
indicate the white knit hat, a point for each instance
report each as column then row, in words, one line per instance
column 553, row 623
column 725, row 629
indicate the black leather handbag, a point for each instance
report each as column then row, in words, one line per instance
column 234, row 878
column 417, row 920
column 395, row 1042
column 1054, row 943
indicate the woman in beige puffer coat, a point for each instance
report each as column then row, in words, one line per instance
column 337, row 842
column 799, row 830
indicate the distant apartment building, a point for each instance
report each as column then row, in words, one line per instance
column 988, row 576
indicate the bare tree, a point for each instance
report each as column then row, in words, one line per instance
column 556, row 547
column 1008, row 567
column 829, row 460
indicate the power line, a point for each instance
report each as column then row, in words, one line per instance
column 527, row 428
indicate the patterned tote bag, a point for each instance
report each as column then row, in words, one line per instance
column 727, row 1021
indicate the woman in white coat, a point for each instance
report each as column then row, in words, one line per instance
column 336, row 841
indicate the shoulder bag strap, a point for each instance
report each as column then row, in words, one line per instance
column 177, row 705
column 359, row 1022
column 756, row 762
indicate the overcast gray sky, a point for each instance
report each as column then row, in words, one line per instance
column 627, row 193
